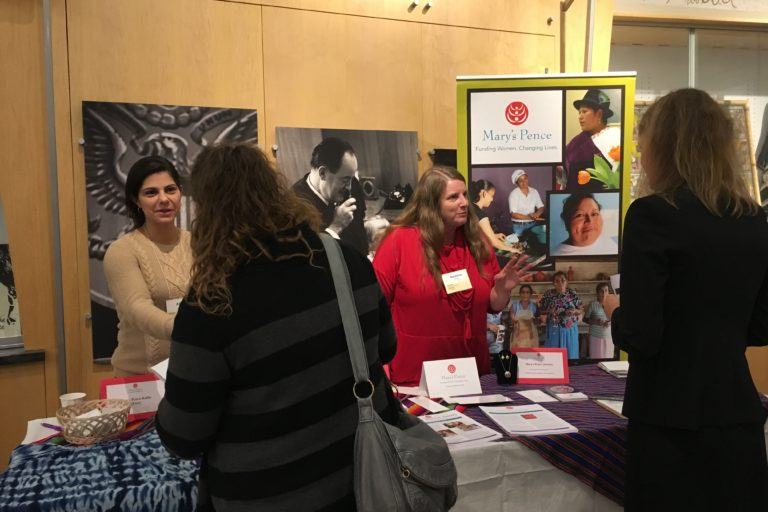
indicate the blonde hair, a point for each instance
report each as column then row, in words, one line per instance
column 239, row 198
column 691, row 141
column 423, row 212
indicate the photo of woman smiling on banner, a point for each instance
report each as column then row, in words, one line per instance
column 584, row 224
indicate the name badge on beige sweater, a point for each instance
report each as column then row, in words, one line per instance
column 172, row 305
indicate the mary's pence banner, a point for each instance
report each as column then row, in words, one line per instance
column 516, row 126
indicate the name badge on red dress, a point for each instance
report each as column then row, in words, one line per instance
column 456, row 281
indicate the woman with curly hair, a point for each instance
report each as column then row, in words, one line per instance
column 441, row 277
column 259, row 380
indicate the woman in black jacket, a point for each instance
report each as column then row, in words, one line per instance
column 695, row 438
column 259, row 379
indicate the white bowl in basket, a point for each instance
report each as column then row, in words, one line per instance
column 94, row 429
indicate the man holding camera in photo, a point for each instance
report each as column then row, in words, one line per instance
column 331, row 185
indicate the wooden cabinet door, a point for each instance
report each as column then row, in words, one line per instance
column 448, row 52
column 529, row 16
column 525, row 16
column 326, row 70
column 22, row 398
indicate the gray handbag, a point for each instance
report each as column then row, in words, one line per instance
column 397, row 468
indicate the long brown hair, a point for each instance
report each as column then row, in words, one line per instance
column 239, row 197
column 691, row 141
column 423, row 212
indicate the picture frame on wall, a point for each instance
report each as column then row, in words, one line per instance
column 10, row 319
column 738, row 110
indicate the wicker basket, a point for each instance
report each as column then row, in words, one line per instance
column 98, row 428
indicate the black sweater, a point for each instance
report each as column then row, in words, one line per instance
column 265, row 394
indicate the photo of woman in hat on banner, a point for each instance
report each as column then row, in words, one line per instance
column 593, row 155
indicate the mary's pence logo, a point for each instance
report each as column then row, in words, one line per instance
column 516, row 113
column 451, row 368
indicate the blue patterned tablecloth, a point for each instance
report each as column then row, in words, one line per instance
column 136, row 475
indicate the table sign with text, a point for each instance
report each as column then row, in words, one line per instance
column 542, row 365
column 450, row 377
column 144, row 392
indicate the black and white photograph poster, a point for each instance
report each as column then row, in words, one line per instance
column 10, row 321
column 383, row 164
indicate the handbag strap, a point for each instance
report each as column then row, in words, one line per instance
column 351, row 322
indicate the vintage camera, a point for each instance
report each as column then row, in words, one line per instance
column 370, row 190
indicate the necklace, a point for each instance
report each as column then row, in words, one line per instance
column 507, row 368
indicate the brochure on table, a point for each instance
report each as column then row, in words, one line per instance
column 450, row 377
column 618, row 369
column 528, row 420
column 615, row 406
column 477, row 399
column 542, row 365
column 459, row 430
column 144, row 392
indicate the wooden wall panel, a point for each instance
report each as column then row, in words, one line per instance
column 183, row 52
column 24, row 178
column 357, row 73
column 448, row 52
column 70, row 278
column 22, row 398
column 574, row 36
column 758, row 367
column 528, row 16
column 364, row 71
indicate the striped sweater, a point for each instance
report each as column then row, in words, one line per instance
column 264, row 395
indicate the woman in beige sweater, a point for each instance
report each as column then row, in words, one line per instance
column 148, row 268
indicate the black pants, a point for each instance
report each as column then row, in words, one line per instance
column 710, row 469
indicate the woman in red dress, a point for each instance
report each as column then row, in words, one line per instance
column 437, row 240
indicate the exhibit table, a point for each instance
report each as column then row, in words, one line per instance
column 582, row 471
column 508, row 477
column 575, row 472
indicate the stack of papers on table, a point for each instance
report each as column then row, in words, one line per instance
column 536, row 395
column 528, row 420
column 459, row 430
column 566, row 396
column 477, row 399
column 616, row 368
column 614, row 406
